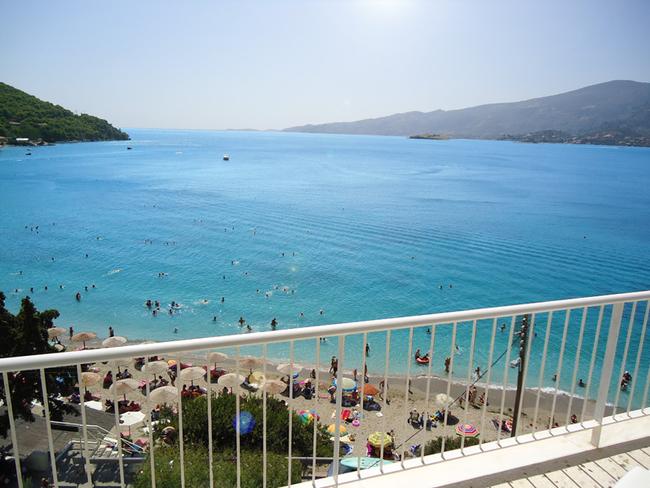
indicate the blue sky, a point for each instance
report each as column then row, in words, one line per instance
column 274, row 63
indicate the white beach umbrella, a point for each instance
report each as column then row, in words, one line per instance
column 83, row 337
column 164, row 395
column 192, row 373
column 55, row 332
column 217, row 357
column 114, row 341
column 89, row 379
column 289, row 369
column 230, row 380
column 155, row 368
column 273, row 387
column 131, row 418
column 122, row 387
column 249, row 362
column 443, row 400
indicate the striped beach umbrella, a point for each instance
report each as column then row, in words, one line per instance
column 377, row 439
column 466, row 430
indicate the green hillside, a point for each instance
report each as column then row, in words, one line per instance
column 23, row 115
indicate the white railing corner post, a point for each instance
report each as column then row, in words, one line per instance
column 606, row 371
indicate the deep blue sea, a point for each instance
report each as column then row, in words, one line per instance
column 361, row 227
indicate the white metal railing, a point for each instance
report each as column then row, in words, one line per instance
column 495, row 336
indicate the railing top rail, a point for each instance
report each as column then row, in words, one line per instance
column 255, row 338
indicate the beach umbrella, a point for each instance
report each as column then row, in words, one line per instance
column 216, row 357
column 377, row 439
column 370, row 390
column 114, row 341
column 332, row 428
column 164, row 395
column 121, row 362
column 256, row 378
column 347, row 384
column 83, row 337
column 89, row 379
column 122, row 387
column 249, row 362
column 273, row 387
column 131, row 418
column 307, row 416
column 443, row 400
column 55, row 332
column 155, row 368
column 230, row 380
column 288, row 369
column 466, row 430
column 191, row 374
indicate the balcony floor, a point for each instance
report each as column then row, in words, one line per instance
column 599, row 473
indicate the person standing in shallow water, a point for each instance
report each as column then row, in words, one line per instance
column 111, row 332
column 274, row 324
column 71, row 332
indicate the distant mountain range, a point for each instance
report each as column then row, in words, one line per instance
column 25, row 119
column 615, row 112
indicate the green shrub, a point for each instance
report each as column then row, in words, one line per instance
column 197, row 473
column 434, row 446
column 223, row 431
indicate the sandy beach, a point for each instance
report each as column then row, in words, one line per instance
column 394, row 413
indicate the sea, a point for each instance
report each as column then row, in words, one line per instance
column 315, row 229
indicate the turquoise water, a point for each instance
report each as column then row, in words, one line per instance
column 370, row 227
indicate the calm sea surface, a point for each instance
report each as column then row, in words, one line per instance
column 360, row 227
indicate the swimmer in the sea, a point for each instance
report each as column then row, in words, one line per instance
column 241, row 321
column 214, row 318
column 274, row 323
column 78, row 296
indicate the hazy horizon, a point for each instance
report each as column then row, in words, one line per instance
column 266, row 66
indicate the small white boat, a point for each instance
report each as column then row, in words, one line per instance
column 226, row 157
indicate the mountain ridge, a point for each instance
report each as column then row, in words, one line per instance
column 621, row 105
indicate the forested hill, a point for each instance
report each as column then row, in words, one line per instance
column 25, row 116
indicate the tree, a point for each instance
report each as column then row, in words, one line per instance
column 25, row 334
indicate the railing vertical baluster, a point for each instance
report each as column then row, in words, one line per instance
column 385, row 395
column 50, row 439
column 576, row 363
column 149, row 424
column 12, row 426
column 531, row 334
column 486, row 392
column 315, row 421
column 594, row 352
column 606, row 372
column 428, row 389
column 408, row 380
column 290, row 411
column 558, row 369
column 505, row 378
column 179, row 383
column 363, row 385
column 630, row 326
column 118, row 430
column 451, row 368
column 264, row 361
column 644, row 401
column 237, row 418
column 638, row 358
column 339, row 399
column 549, row 326
column 209, row 401
column 470, row 365
column 84, row 423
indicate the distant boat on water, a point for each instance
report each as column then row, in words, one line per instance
column 226, row 157
column 128, row 148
